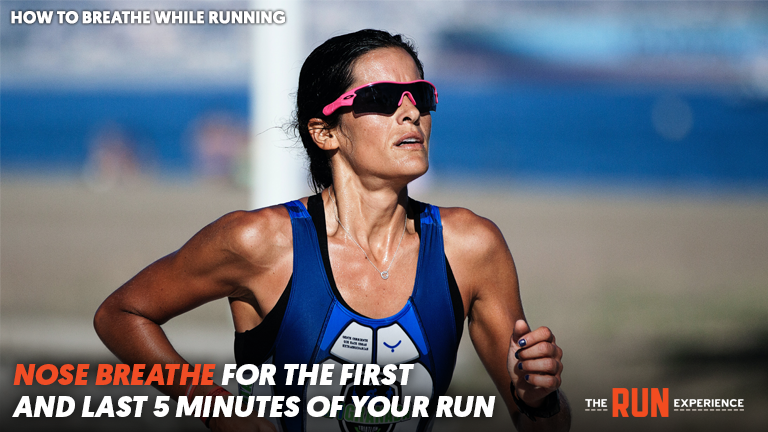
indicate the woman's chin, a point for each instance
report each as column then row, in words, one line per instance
column 412, row 174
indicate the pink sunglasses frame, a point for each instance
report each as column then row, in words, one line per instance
column 348, row 98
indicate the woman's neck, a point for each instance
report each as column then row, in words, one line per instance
column 373, row 217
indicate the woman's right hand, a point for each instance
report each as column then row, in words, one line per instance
column 228, row 258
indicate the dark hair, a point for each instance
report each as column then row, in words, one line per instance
column 326, row 75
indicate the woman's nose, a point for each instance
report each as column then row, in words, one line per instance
column 407, row 108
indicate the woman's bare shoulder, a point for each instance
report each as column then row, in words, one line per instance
column 470, row 233
column 479, row 255
column 259, row 236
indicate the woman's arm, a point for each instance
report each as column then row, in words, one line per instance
column 228, row 258
column 486, row 275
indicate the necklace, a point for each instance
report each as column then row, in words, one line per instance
column 384, row 274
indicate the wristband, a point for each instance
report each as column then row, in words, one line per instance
column 548, row 408
column 216, row 391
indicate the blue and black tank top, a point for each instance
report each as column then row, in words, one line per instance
column 312, row 324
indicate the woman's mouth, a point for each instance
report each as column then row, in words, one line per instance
column 411, row 140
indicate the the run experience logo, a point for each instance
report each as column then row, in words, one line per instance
column 655, row 402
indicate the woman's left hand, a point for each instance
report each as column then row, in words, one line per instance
column 534, row 363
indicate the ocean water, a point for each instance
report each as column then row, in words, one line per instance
column 54, row 131
column 548, row 132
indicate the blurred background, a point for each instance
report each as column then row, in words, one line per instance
column 621, row 147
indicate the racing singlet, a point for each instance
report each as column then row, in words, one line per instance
column 312, row 324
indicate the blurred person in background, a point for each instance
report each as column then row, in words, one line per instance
column 220, row 143
column 111, row 159
column 359, row 273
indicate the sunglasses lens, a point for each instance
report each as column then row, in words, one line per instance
column 425, row 97
column 378, row 98
column 384, row 98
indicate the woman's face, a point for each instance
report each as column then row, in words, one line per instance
column 387, row 147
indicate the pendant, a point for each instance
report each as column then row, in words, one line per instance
column 385, row 274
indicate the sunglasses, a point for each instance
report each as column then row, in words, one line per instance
column 384, row 97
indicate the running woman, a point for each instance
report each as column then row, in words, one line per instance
column 359, row 273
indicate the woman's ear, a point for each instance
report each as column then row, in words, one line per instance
column 322, row 135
